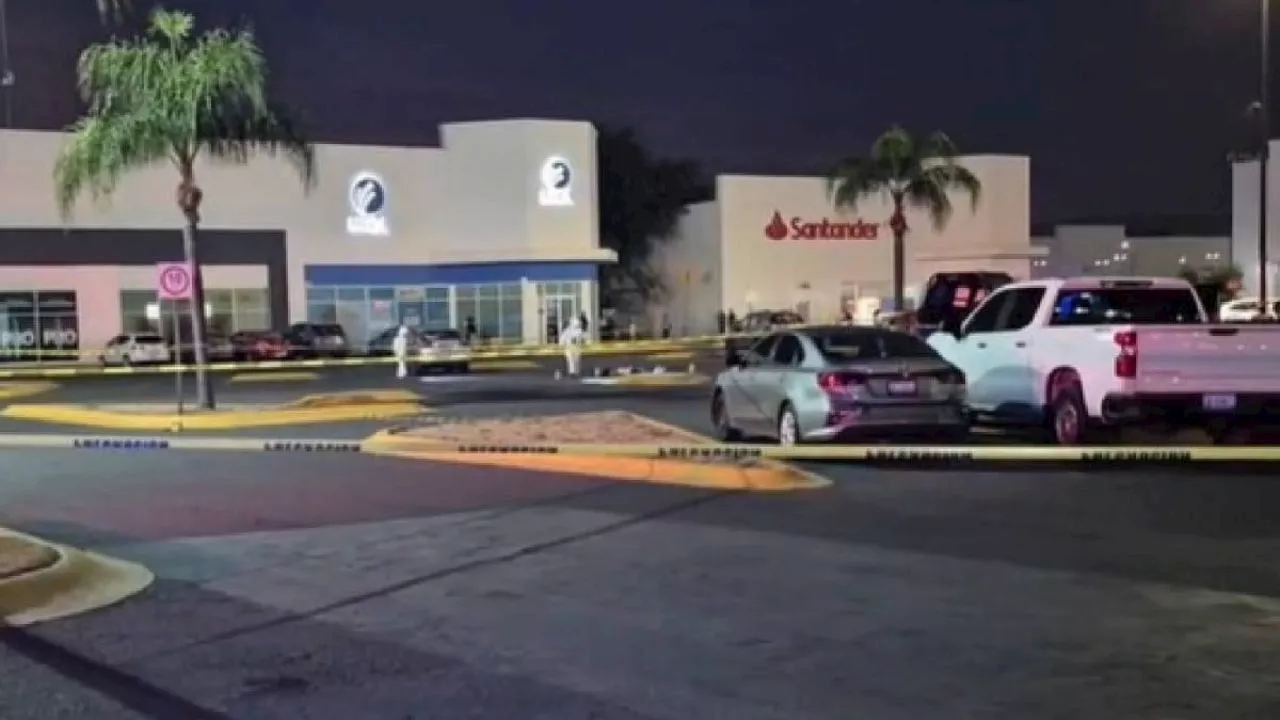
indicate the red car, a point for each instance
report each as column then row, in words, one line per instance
column 255, row 345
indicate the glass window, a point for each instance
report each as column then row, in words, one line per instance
column 842, row 346
column 437, row 293
column 511, row 313
column 488, row 292
column 255, row 299
column 1126, row 305
column 763, row 349
column 320, row 295
column 382, row 293
column 488, row 318
column 219, row 300
column 436, row 314
column 988, row 314
column 322, row 312
column 1022, row 309
column 788, row 351
column 351, row 294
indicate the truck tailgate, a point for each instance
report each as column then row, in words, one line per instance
column 1208, row 358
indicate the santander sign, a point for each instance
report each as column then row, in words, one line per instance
column 799, row 228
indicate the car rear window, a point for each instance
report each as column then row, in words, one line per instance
column 148, row 339
column 330, row 330
column 1126, row 306
column 444, row 335
column 839, row 347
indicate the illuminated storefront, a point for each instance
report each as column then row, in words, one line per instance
column 776, row 243
column 498, row 224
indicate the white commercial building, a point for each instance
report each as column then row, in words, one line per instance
column 1244, row 221
column 499, row 223
column 774, row 243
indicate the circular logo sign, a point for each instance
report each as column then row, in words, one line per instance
column 175, row 281
column 556, row 182
column 367, row 195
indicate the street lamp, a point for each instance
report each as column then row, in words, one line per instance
column 1264, row 129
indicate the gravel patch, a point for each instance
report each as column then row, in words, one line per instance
column 611, row 427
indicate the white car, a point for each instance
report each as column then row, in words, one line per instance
column 1244, row 310
column 1082, row 354
column 442, row 349
column 135, row 349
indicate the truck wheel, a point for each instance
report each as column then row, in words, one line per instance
column 1068, row 417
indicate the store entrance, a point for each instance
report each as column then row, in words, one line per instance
column 557, row 311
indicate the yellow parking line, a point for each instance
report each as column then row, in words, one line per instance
column 504, row 365
column 273, row 377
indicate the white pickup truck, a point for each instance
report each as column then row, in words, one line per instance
column 1079, row 355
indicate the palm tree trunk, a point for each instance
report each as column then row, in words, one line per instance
column 898, row 223
column 190, row 248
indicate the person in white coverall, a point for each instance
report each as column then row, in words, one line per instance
column 400, row 348
column 572, row 338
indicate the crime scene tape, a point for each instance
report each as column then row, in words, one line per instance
column 878, row 454
column 84, row 369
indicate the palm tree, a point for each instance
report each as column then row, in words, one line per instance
column 170, row 96
column 914, row 175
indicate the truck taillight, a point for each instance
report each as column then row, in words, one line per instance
column 1127, row 357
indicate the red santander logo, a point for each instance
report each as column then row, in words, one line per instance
column 798, row 228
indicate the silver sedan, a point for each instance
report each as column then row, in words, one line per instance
column 839, row 383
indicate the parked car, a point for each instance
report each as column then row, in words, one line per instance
column 837, row 383
column 443, row 349
column 1246, row 310
column 259, row 345
column 1082, row 355
column 317, row 340
column 431, row 349
column 136, row 349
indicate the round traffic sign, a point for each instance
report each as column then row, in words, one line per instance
column 175, row 281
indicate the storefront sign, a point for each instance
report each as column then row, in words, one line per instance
column 799, row 228
column 367, row 205
column 556, row 183
column 45, row 321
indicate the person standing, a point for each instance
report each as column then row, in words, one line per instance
column 400, row 348
column 572, row 338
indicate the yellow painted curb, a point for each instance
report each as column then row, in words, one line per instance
column 353, row 397
column 273, row 377
column 754, row 478
column 20, row 389
column 504, row 365
column 77, row 582
column 683, row 355
column 813, row 481
column 766, row 476
column 84, row 416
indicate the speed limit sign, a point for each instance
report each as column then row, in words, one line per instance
column 173, row 281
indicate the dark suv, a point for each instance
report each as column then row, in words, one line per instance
column 317, row 340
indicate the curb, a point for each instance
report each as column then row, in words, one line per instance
column 766, row 476
column 815, row 481
column 77, row 582
column 83, row 416
column 13, row 389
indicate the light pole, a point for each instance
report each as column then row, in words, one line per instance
column 1264, row 129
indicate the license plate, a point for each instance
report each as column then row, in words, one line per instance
column 902, row 387
column 1219, row 402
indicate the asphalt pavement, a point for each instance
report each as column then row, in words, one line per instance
column 343, row 586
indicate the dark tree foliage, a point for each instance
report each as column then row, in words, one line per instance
column 641, row 200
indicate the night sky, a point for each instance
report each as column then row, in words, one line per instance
column 1127, row 107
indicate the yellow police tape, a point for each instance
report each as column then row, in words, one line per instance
column 904, row 454
column 478, row 356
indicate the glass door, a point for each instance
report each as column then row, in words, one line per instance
column 557, row 311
